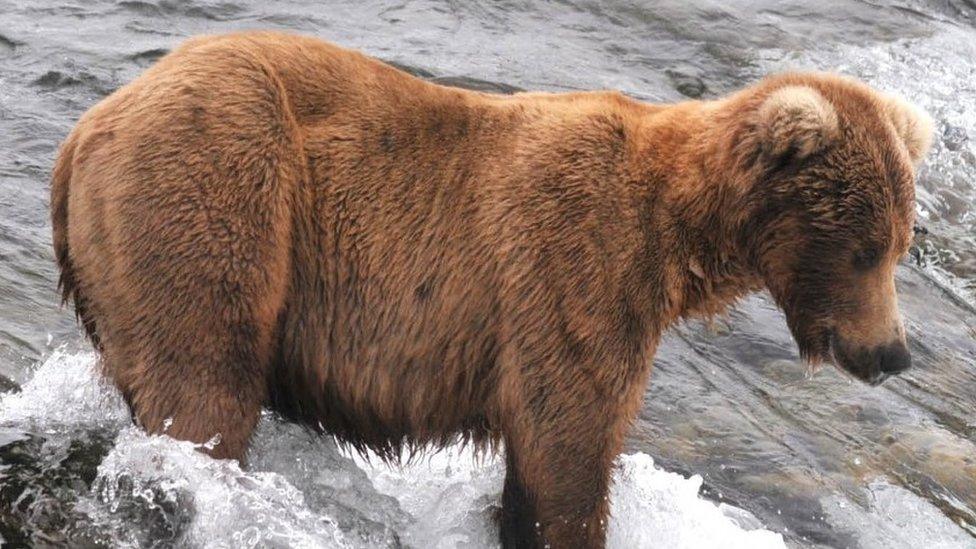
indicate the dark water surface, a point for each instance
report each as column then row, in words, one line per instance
column 817, row 458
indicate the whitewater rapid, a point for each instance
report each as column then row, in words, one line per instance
column 301, row 490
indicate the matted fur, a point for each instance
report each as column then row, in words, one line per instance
column 263, row 219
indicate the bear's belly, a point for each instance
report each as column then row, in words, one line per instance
column 390, row 331
column 386, row 358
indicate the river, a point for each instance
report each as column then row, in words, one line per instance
column 737, row 445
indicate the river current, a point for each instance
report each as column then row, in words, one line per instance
column 737, row 445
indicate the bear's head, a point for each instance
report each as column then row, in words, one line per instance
column 829, row 211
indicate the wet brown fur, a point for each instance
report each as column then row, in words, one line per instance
column 268, row 220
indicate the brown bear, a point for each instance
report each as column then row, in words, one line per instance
column 263, row 219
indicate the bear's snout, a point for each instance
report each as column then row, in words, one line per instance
column 871, row 365
column 894, row 358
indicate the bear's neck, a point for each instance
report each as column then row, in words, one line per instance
column 698, row 208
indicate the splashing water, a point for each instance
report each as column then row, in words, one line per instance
column 302, row 491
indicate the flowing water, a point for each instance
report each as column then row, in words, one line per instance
column 749, row 449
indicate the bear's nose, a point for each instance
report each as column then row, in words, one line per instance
column 894, row 358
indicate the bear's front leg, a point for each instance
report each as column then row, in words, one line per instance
column 567, row 430
column 566, row 509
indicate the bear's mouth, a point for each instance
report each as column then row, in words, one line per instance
column 858, row 364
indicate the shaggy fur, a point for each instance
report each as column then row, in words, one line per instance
column 268, row 220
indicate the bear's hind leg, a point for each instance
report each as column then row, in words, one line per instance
column 209, row 390
column 191, row 340
column 193, row 350
column 196, row 195
column 202, row 408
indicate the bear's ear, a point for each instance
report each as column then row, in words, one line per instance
column 796, row 121
column 912, row 125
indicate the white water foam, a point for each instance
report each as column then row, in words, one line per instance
column 65, row 390
column 231, row 508
column 300, row 491
column 452, row 492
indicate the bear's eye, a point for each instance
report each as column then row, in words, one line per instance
column 866, row 258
